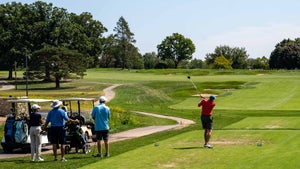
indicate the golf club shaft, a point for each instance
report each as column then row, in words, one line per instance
column 195, row 87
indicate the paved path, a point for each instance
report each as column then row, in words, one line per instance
column 5, row 85
column 129, row 134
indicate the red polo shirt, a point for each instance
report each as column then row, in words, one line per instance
column 207, row 106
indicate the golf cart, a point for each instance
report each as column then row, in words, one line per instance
column 78, row 135
column 16, row 130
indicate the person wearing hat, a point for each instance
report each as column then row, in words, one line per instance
column 35, row 121
column 57, row 117
column 206, row 117
column 101, row 116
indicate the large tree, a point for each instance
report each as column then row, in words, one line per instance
column 56, row 63
column 238, row 56
column 176, row 47
column 286, row 55
column 13, row 33
column 124, row 40
column 30, row 27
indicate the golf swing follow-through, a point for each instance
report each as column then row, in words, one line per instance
column 206, row 114
column 189, row 77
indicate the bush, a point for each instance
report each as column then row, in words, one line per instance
column 121, row 119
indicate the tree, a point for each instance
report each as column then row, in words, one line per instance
column 134, row 59
column 87, row 37
column 286, row 55
column 177, row 48
column 150, row 60
column 13, row 31
column 238, row 56
column 196, row 63
column 222, row 63
column 30, row 27
column 57, row 63
column 258, row 63
column 124, row 39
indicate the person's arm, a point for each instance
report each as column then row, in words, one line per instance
column 93, row 114
column 65, row 116
column 200, row 102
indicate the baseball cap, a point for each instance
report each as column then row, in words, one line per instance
column 102, row 99
column 212, row 97
column 35, row 106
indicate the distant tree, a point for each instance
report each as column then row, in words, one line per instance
column 58, row 63
column 258, row 63
column 150, row 60
column 134, row 59
column 286, row 55
column 176, row 48
column 196, row 63
column 222, row 63
column 238, row 56
column 124, row 39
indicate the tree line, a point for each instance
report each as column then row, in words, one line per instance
column 55, row 44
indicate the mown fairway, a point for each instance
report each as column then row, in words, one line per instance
column 257, row 118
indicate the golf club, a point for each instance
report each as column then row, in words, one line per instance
column 189, row 77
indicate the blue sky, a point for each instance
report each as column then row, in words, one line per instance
column 256, row 25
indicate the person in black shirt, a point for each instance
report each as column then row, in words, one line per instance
column 35, row 122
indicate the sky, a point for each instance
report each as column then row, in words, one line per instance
column 256, row 25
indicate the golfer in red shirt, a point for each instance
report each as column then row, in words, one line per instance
column 206, row 117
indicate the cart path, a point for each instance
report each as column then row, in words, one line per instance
column 5, row 85
column 125, row 135
column 143, row 131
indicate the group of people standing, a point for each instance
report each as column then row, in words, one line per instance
column 101, row 115
column 57, row 117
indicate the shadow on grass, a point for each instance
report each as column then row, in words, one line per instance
column 188, row 148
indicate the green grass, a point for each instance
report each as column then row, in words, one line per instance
column 233, row 149
column 267, row 123
column 252, row 107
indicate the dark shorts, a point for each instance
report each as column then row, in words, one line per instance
column 207, row 122
column 102, row 135
column 57, row 135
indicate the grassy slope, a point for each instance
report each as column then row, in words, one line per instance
column 171, row 93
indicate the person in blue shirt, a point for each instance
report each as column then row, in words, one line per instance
column 101, row 116
column 57, row 134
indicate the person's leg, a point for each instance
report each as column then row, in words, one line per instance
column 99, row 146
column 38, row 146
column 207, row 135
column 62, row 138
column 54, row 147
column 32, row 143
column 106, row 148
column 62, row 150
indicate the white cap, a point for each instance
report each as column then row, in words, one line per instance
column 35, row 106
column 56, row 103
column 102, row 99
